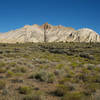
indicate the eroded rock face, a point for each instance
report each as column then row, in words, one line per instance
column 85, row 35
column 49, row 33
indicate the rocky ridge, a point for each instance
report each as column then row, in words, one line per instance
column 49, row 33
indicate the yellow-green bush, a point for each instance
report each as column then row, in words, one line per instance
column 10, row 74
column 74, row 96
column 20, row 69
column 2, row 84
column 2, row 70
column 25, row 90
column 44, row 76
column 36, row 95
column 61, row 90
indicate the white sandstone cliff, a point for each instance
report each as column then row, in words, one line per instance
column 49, row 33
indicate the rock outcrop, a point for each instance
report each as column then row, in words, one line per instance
column 49, row 33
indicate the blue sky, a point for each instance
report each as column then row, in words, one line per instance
column 70, row 13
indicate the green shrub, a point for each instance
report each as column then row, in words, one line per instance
column 25, row 90
column 50, row 77
column 90, row 88
column 44, row 67
column 2, row 64
column 2, row 84
column 90, row 67
column 43, row 76
column 74, row 64
column 23, row 69
column 86, row 55
column 61, row 90
column 97, row 69
column 59, row 72
column 59, row 66
column 81, row 77
column 13, row 64
column 20, row 70
column 35, row 96
column 2, row 70
column 95, row 78
column 64, row 80
column 10, row 74
column 74, row 96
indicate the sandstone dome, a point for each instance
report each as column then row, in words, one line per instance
column 86, row 31
column 86, row 35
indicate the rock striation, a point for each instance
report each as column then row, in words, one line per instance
column 49, row 33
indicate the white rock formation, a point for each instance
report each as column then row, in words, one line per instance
column 49, row 33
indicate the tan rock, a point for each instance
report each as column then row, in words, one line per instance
column 49, row 33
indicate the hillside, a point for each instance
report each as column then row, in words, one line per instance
column 50, row 71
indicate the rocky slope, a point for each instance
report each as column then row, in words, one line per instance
column 49, row 33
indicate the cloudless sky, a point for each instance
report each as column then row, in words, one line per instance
column 70, row 13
